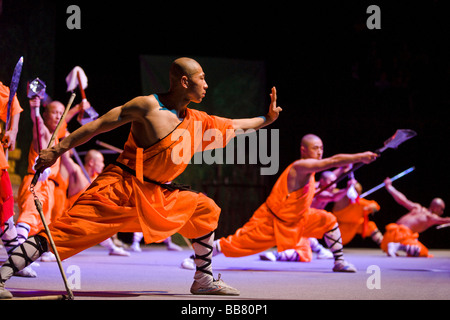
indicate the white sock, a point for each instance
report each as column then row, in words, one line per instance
column 315, row 245
column 23, row 229
column 333, row 241
column 377, row 236
column 203, row 253
column 108, row 244
column 137, row 237
column 9, row 235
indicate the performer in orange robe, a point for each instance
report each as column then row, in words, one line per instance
column 281, row 221
column 286, row 217
column 8, row 232
column 52, row 191
column 160, row 212
column 29, row 221
column 353, row 217
column 136, row 192
column 404, row 233
column 305, row 247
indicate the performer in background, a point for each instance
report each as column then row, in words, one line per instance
column 287, row 216
column 306, row 246
column 164, row 136
column 403, row 235
column 8, row 232
column 352, row 214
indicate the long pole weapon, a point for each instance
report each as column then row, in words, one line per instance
column 400, row 136
column 381, row 185
column 38, row 203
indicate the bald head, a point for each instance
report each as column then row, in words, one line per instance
column 93, row 154
column 311, row 147
column 183, row 67
column 308, row 139
column 94, row 162
column 52, row 114
column 327, row 177
column 437, row 206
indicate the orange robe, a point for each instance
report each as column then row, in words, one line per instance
column 285, row 220
column 72, row 198
column 45, row 191
column 6, row 193
column 15, row 109
column 61, row 200
column 404, row 235
column 353, row 219
column 120, row 201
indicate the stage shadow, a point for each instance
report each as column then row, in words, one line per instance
column 97, row 294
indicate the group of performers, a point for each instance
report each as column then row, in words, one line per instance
column 136, row 193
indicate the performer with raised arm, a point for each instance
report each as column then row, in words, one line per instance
column 403, row 235
column 134, row 194
column 286, row 217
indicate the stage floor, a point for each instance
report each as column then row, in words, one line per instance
column 155, row 274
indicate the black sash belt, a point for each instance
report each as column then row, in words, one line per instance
column 171, row 186
column 270, row 210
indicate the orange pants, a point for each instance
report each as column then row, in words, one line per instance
column 6, row 198
column 303, row 249
column 45, row 191
column 349, row 230
column 108, row 206
column 404, row 235
column 263, row 231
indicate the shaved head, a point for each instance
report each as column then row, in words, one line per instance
column 183, row 67
column 52, row 114
column 308, row 139
column 311, row 147
column 187, row 81
column 93, row 154
column 437, row 206
column 94, row 162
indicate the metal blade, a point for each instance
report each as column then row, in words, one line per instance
column 400, row 136
column 13, row 89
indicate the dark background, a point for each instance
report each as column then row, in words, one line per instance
column 352, row 86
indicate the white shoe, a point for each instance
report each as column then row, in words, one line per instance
column 135, row 246
column 188, row 263
column 118, row 252
column 217, row 287
column 48, row 257
column 343, row 266
column 324, row 253
column 393, row 247
column 4, row 294
column 268, row 256
column 26, row 272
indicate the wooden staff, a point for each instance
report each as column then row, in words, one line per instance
column 38, row 203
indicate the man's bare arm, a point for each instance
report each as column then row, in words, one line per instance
column 314, row 165
column 399, row 197
column 437, row 220
column 114, row 118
